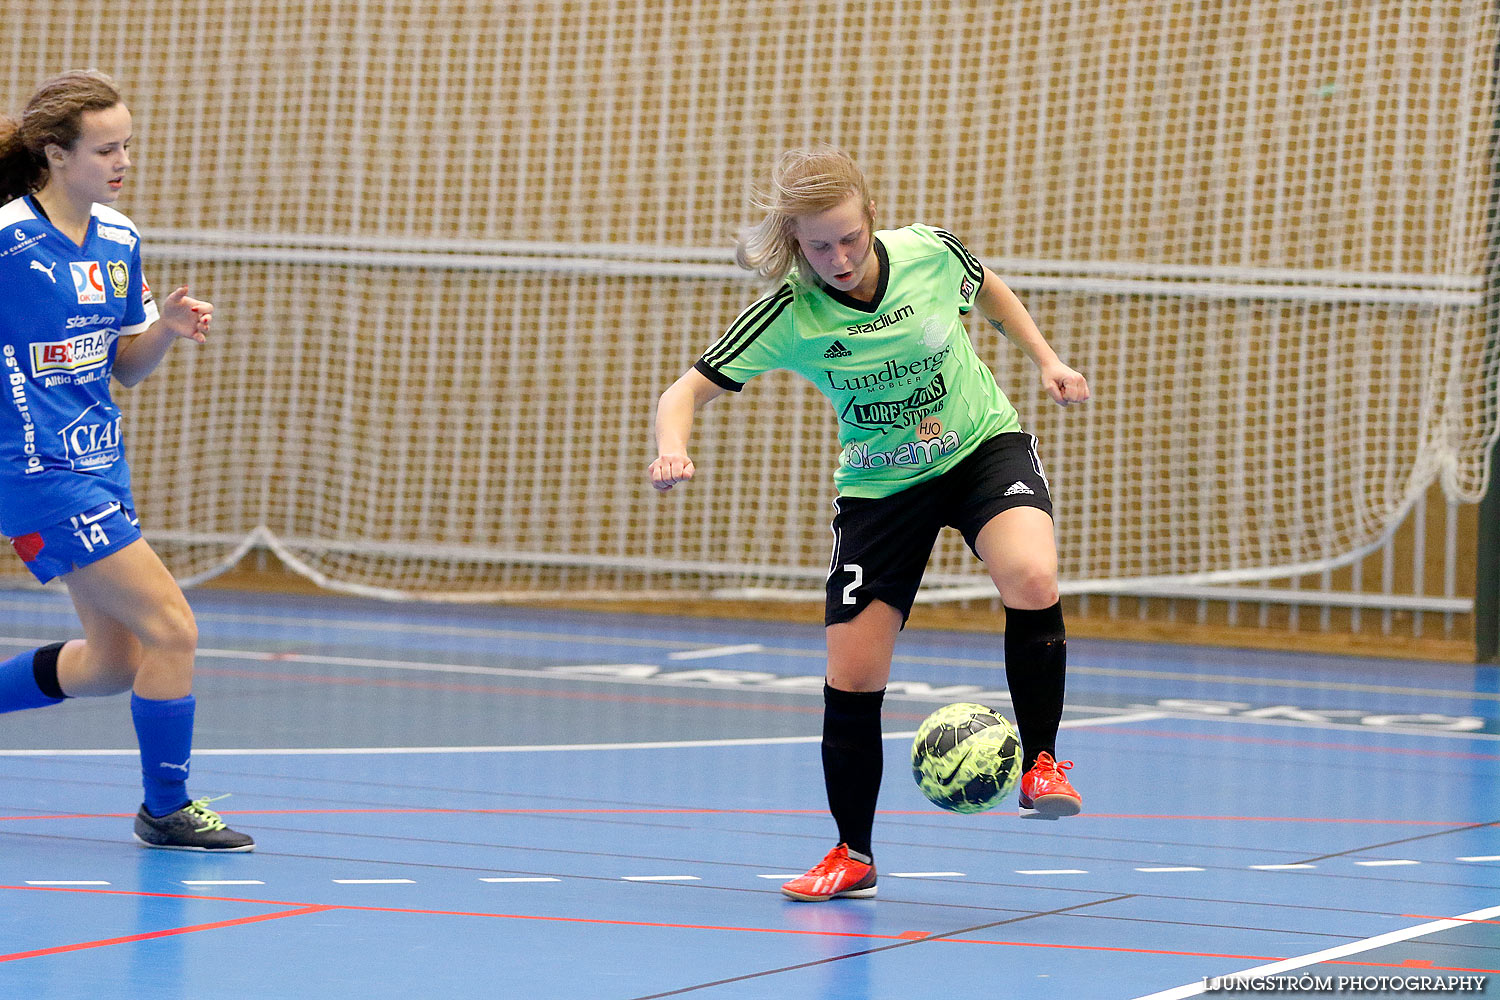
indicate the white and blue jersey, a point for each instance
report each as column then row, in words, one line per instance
column 64, row 309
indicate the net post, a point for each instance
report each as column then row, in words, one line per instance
column 1487, row 586
column 1487, row 582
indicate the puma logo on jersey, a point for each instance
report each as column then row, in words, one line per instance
column 37, row 265
column 837, row 350
column 183, row 767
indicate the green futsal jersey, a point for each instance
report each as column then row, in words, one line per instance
column 912, row 397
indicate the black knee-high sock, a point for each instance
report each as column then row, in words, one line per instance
column 853, row 758
column 1036, row 658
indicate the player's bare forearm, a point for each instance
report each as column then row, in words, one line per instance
column 1005, row 312
column 180, row 315
column 138, row 356
column 674, row 425
column 675, row 409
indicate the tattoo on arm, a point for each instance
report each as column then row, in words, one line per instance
column 998, row 326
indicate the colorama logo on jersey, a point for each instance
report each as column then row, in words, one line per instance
column 85, row 351
column 88, row 281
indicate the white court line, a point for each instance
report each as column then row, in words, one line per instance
column 1482, row 857
column 1111, row 720
column 64, row 882
column 379, row 751
column 926, row 874
column 222, row 881
column 535, row 748
column 704, row 654
column 644, row 674
column 1340, row 951
column 574, row 639
column 1385, row 864
column 782, row 877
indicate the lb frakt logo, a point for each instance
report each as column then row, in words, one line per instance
column 88, row 281
column 79, row 353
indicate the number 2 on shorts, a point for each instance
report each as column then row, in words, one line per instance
column 859, row 578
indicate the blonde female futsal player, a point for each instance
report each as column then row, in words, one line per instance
column 874, row 320
column 79, row 311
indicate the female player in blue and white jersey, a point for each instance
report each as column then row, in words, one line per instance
column 874, row 320
column 79, row 311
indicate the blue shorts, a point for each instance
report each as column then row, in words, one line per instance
column 81, row 539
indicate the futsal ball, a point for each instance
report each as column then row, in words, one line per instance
column 966, row 758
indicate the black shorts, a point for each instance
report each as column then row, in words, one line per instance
column 881, row 546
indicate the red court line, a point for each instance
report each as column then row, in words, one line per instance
column 1408, row 965
column 1200, row 954
column 1462, row 920
column 1267, row 741
column 309, row 908
column 497, row 689
column 395, row 811
column 4, row 819
column 170, row 932
column 606, row 696
column 612, row 923
column 1287, row 819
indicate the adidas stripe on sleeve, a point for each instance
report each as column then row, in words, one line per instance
column 750, row 346
column 971, row 271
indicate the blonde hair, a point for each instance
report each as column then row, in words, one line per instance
column 53, row 116
column 803, row 181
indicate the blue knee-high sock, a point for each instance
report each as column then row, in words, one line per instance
column 165, row 732
column 29, row 680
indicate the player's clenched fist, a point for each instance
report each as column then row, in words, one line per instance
column 669, row 470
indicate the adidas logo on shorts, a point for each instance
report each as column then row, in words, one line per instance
column 837, row 350
column 1019, row 487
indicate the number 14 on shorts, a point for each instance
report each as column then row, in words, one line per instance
column 89, row 529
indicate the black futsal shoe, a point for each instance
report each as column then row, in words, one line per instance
column 194, row 827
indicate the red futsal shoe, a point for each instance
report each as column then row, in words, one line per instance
column 837, row 874
column 1045, row 791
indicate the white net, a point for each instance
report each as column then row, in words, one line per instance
column 457, row 249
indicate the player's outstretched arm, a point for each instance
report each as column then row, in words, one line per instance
column 1006, row 314
column 181, row 316
column 674, row 424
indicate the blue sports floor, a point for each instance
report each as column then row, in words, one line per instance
column 501, row 802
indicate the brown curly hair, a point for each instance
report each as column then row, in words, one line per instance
column 53, row 116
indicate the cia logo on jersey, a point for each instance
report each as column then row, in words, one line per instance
column 119, row 278
column 92, row 440
column 87, row 281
